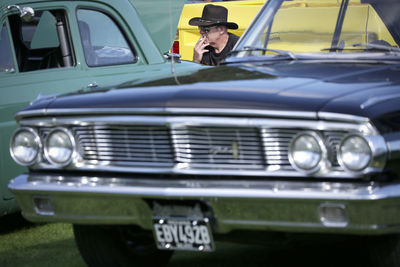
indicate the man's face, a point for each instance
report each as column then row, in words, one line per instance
column 210, row 33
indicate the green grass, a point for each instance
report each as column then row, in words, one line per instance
column 39, row 245
column 25, row 244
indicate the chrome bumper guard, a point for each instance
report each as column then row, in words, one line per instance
column 295, row 206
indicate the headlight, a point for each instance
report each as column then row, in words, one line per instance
column 59, row 147
column 354, row 153
column 25, row 146
column 306, row 152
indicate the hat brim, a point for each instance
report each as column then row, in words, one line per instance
column 201, row 22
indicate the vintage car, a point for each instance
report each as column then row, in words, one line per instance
column 241, row 12
column 295, row 136
column 51, row 47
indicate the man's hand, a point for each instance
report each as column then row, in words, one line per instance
column 199, row 50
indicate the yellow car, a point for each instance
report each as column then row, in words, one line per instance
column 240, row 12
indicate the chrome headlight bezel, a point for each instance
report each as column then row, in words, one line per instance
column 36, row 140
column 323, row 153
column 340, row 156
column 46, row 147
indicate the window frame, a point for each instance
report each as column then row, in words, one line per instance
column 51, row 8
column 119, row 27
column 4, row 21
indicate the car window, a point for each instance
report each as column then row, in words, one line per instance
column 348, row 27
column 36, row 41
column 6, row 62
column 103, row 42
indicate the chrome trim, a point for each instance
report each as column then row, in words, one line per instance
column 181, row 168
column 198, row 188
column 168, row 111
column 379, row 151
column 181, row 121
column 187, row 111
column 329, row 223
column 323, row 164
column 372, row 208
column 393, row 149
column 74, row 154
column 341, row 117
column 37, row 140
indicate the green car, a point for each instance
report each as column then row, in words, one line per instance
column 53, row 47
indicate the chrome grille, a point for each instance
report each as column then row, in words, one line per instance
column 125, row 145
column 218, row 147
column 276, row 145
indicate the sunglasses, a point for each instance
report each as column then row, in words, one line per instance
column 207, row 29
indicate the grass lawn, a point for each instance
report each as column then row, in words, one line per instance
column 25, row 244
column 49, row 245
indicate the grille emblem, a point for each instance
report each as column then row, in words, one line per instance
column 233, row 149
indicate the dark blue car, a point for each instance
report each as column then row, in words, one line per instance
column 296, row 134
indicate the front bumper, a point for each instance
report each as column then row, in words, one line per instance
column 323, row 207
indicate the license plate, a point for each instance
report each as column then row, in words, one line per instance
column 183, row 234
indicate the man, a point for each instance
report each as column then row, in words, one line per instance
column 215, row 41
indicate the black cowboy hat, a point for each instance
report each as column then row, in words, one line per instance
column 213, row 15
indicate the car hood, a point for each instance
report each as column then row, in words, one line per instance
column 161, row 18
column 354, row 89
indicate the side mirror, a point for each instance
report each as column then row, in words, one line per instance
column 26, row 13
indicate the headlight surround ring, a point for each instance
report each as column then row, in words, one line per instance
column 309, row 138
column 65, row 148
column 355, row 141
column 34, row 140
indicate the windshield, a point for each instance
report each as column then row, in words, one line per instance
column 311, row 27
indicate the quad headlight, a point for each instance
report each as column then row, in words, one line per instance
column 59, row 147
column 25, row 146
column 354, row 153
column 306, row 152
